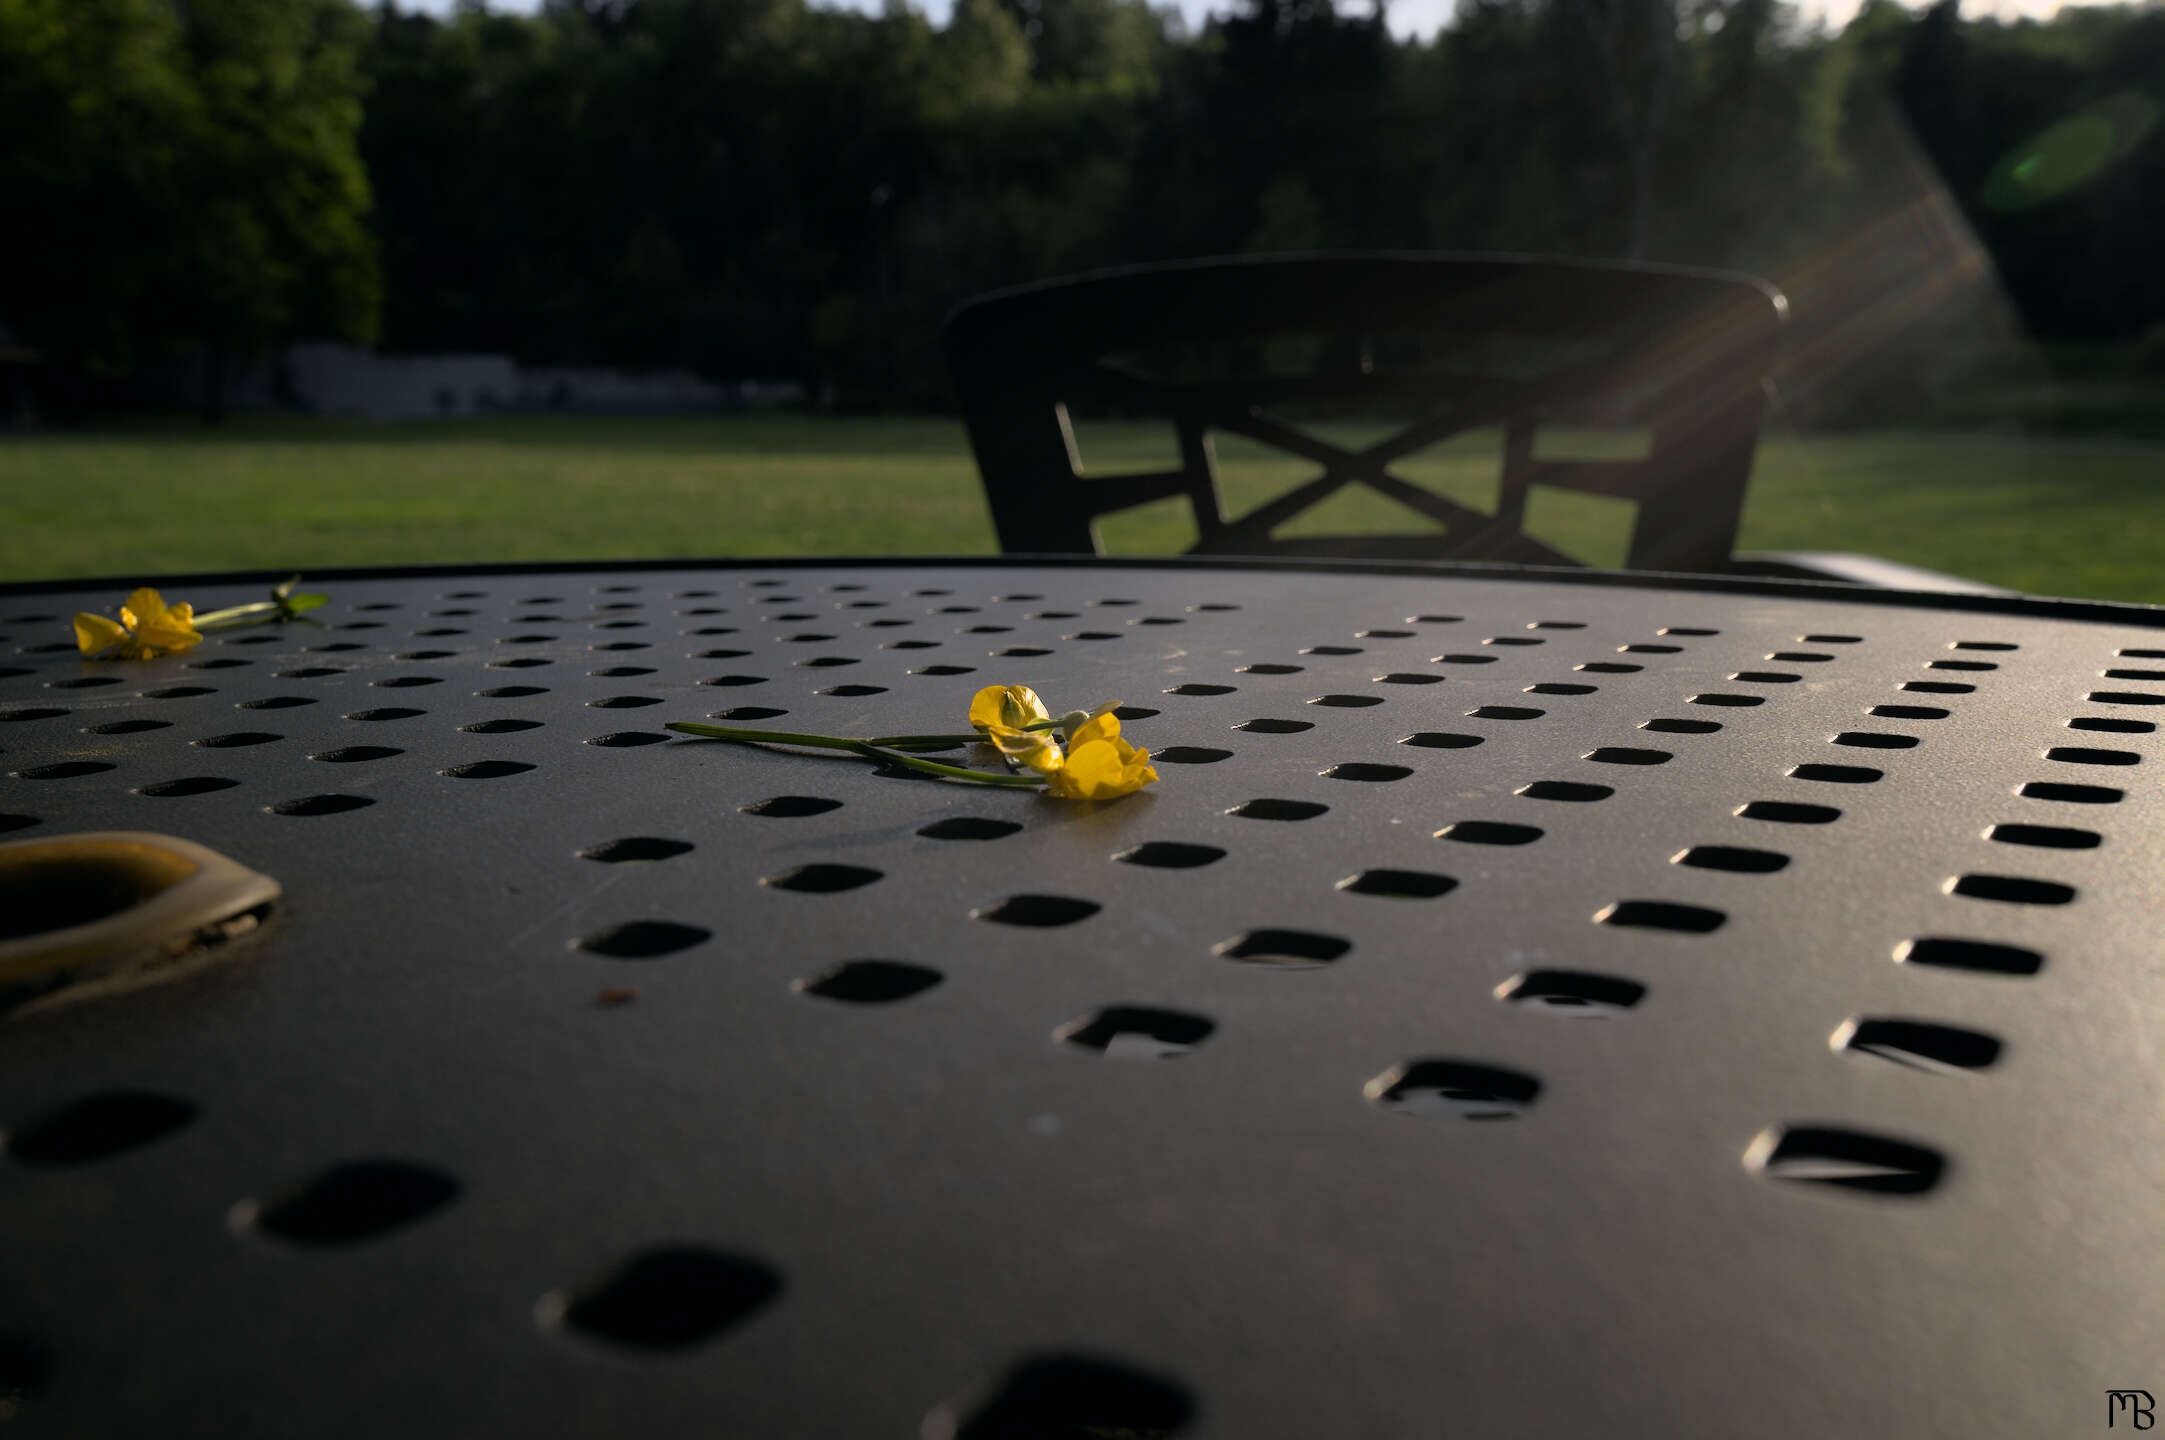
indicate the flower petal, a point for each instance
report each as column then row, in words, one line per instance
column 1011, row 705
column 1027, row 747
column 1102, row 769
column 985, row 706
column 94, row 633
column 1102, row 725
column 147, row 604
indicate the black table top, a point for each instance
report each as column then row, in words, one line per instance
column 1526, row 1005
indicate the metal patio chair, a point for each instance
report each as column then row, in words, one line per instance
column 1261, row 347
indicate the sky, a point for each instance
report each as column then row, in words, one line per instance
column 1408, row 17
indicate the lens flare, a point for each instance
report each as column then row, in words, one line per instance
column 2068, row 155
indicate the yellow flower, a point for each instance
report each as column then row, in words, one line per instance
column 1099, row 764
column 148, row 628
column 999, row 713
column 1033, row 748
column 1096, row 765
column 1009, row 707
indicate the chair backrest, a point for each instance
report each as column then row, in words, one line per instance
column 1455, row 342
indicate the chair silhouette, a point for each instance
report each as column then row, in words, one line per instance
column 1456, row 342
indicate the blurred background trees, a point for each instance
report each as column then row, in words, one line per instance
column 182, row 172
column 762, row 188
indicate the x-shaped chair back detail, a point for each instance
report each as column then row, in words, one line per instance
column 1685, row 354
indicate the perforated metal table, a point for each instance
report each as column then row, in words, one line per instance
column 1529, row 1005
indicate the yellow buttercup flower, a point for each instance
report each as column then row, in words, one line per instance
column 148, row 628
column 1100, row 765
column 1096, row 765
column 1009, row 707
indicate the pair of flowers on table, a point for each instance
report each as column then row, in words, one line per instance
column 1080, row 755
column 149, row 627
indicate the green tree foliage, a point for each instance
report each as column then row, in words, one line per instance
column 774, row 188
column 181, row 172
column 2048, row 138
column 1109, row 42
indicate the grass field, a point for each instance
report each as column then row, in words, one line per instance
column 2061, row 515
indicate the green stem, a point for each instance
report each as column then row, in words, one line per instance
column 831, row 742
column 870, row 748
column 930, row 741
column 251, row 614
column 769, row 737
column 931, row 767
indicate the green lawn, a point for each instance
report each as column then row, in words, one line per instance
column 2055, row 515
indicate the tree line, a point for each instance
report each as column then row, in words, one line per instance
column 766, row 188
